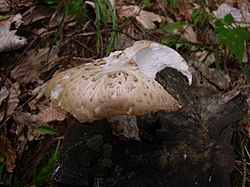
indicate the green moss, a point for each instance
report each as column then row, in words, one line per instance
column 96, row 143
column 107, row 150
column 106, row 162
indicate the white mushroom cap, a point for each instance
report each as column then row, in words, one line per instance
column 152, row 57
column 101, row 90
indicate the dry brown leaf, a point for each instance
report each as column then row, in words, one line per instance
column 46, row 113
column 248, row 129
column 8, row 39
column 39, row 93
column 49, row 113
column 205, row 57
column 35, row 64
column 146, row 18
column 4, row 93
column 241, row 14
column 189, row 34
column 186, row 8
column 36, row 13
column 13, row 100
column 4, row 6
column 8, row 152
column 225, row 9
column 245, row 10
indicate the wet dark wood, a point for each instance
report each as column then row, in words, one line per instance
column 190, row 147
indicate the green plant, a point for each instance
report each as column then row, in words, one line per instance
column 227, row 34
column 146, row 2
column 174, row 4
column 46, row 130
column 103, row 9
column 232, row 36
column 64, row 8
column 44, row 174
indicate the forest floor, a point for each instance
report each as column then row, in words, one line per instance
column 40, row 39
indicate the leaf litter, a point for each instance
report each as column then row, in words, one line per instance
column 35, row 62
column 23, row 107
column 9, row 154
column 8, row 39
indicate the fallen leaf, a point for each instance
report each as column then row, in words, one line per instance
column 13, row 100
column 37, row 13
column 8, row 39
column 146, row 18
column 39, row 93
column 36, row 62
column 205, row 57
column 248, row 129
column 46, row 113
column 4, row 93
column 49, row 113
column 225, row 9
column 9, row 153
column 186, row 8
column 189, row 34
column 4, row 6
column 245, row 10
column 242, row 15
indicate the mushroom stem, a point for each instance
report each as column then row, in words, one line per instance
column 125, row 125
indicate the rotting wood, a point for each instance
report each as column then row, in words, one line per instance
column 190, row 147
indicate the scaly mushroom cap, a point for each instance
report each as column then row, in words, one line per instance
column 152, row 57
column 99, row 90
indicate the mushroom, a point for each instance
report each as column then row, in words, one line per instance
column 152, row 57
column 98, row 90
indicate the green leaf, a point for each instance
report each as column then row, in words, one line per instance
column 174, row 4
column 75, row 6
column 101, row 10
column 219, row 24
column 235, row 40
column 172, row 26
column 46, row 130
column 114, row 33
column 173, row 41
column 217, row 63
column 50, row 2
column 146, row 2
column 229, row 19
column 246, row 72
column 196, row 16
column 46, row 171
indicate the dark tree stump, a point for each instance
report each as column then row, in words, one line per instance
column 190, row 147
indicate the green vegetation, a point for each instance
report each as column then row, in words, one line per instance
column 105, row 149
column 44, row 174
column 46, row 130
column 232, row 36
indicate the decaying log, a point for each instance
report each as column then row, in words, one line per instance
column 190, row 147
